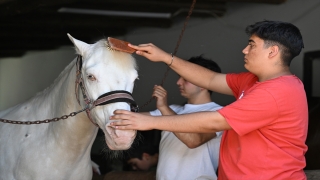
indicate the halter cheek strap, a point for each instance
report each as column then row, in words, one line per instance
column 107, row 98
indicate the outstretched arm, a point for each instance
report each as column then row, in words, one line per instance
column 199, row 122
column 200, row 76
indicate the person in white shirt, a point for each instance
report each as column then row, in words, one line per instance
column 188, row 156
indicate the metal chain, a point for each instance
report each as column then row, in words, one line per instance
column 43, row 121
column 175, row 49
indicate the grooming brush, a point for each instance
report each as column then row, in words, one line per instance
column 119, row 45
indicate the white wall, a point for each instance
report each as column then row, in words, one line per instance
column 221, row 39
column 21, row 78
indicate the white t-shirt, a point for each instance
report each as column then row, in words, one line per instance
column 177, row 161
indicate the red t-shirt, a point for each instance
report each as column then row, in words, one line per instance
column 269, row 124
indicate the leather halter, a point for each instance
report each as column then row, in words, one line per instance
column 104, row 99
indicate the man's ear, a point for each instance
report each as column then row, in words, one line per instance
column 273, row 51
column 145, row 156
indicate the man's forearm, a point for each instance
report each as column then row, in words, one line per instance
column 165, row 111
column 200, row 122
column 201, row 76
column 193, row 73
column 193, row 140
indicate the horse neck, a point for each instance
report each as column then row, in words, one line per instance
column 78, row 131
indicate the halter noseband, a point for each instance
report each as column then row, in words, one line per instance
column 104, row 99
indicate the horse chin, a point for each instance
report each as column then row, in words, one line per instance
column 119, row 139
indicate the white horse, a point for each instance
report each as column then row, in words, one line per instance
column 60, row 150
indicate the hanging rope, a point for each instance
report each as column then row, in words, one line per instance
column 175, row 49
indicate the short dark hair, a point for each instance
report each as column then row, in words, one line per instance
column 285, row 35
column 207, row 63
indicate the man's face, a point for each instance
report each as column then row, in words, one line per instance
column 256, row 55
column 139, row 165
column 187, row 89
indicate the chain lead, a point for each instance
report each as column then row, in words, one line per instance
column 44, row 121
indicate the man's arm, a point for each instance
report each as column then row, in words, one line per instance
column 145, row 113
column 201, row 76
column 199, row 122
column 193, row 73
column 192, row 140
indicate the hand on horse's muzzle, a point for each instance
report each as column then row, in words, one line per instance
column 127, row 120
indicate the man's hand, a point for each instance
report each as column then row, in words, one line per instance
column 131, row 121
column 161, row 95
column 152, row 52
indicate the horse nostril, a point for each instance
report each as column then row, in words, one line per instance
column 111, row 131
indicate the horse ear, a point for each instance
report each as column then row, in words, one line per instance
column 81, row 47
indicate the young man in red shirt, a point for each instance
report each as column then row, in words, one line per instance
column 266, row 127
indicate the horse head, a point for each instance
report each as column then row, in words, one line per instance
column 101, row 71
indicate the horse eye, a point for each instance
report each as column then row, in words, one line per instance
column 91, row 77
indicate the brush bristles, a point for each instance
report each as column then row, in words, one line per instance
column 109, row 47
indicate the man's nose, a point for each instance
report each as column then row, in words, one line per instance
column 179, row 81
column 245, row 50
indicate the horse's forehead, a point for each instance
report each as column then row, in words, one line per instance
column 105, row 59
column 114, row 68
